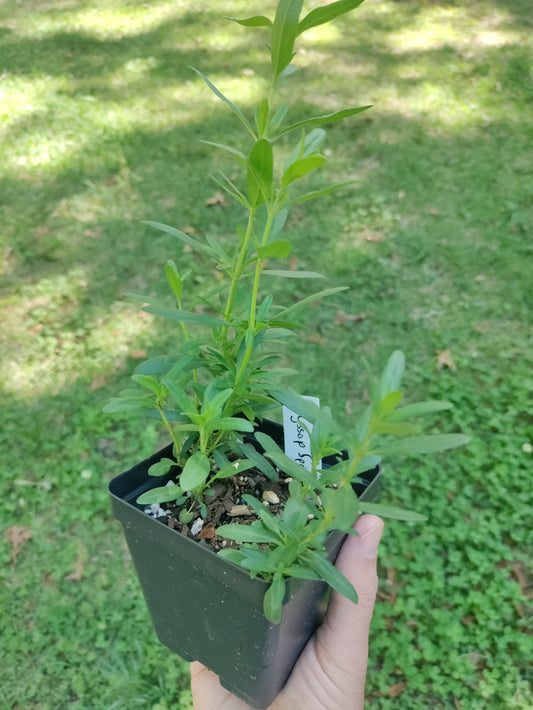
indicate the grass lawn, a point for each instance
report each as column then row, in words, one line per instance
column 100, row 118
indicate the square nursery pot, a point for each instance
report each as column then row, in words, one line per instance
column 208, row 609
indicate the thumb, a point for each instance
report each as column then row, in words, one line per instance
column 342, row 640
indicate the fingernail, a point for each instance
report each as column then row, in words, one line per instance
column 370, row 542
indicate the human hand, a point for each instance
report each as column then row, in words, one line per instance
column 330, row 673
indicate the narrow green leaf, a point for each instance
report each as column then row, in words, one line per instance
column 256, row 21
column 161, row 494
column 259, row 460
column 161, row 468
column 331, row 575
column 314, row 297
column 293, row 274
column 326, row 118
column 415, row 445
column 259, row 565
column 260, row 172
column 185, row 316
column 247, row 533
column 147, row 381
column 234, row 468
column 278, row 117
column 223, row 98
column 235, row 556
column 263, row 114
column 231, row 424
column 227, row 148
column 173, row 279
column 387, row 511
column 418, row 409
column 275, row 250
column 284, row 32
column 296, row 403
column 194, row 243
column 320, row 193
column 321, row 15
column 273, row 601
column 301, row 572
column 195, row 471
column 391, row 378
column 342, row 502
column 389, row 402
column 300, row 168
column 179, row 396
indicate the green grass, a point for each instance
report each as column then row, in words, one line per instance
column 100, row 117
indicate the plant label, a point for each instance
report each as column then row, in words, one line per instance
column 296, row 433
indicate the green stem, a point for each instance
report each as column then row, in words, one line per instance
column 237, row 272
column 253, row 304
column 168, row 426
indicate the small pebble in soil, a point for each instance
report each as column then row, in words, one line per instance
column 197, row 526
column 270, row 497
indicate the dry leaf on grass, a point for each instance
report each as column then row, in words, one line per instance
column 17, row 536
column 316, row 338
column 218, row 200
column 341, row 317
column 444, row 359
column 79, row 566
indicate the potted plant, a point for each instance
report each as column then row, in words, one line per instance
column 233, row 537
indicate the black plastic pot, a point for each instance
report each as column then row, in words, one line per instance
column 207, row 609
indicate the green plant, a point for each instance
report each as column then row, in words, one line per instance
column 222, row 381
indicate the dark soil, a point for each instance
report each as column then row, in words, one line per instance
column 227, row 506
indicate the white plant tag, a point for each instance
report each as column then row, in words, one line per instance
column 297, row 444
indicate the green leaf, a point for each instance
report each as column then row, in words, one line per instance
column 275, row 250
column 247, row 533
column 418, row 409
column 262, row 564
column 295, row 513
column 195, row 471
column 263, row 114
column 326, row 118
column 278, row 117
column 179, row 396
column 273, row 601
column 284, row 32
column 194, row 243
column 185, row 316
column 292, row 274
column 227, row 148
column 342, row 502
column 391, row 378
column 147, row 381
column 255, row 21
column 300, row 168
column 161, row 468
column 296, row 403
column 309, row 299
column 162, row 494
column 235, row 556
column 260, row 172
column 320, row 193
column 301, row 572
column 331, row 575
column 259, row 460
column 234, row 468
column 223, row 98
column 415, row 445
column 389, row 402
column 387, row 511
column 173, row 279
column 231, row 424
column 325, row 14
